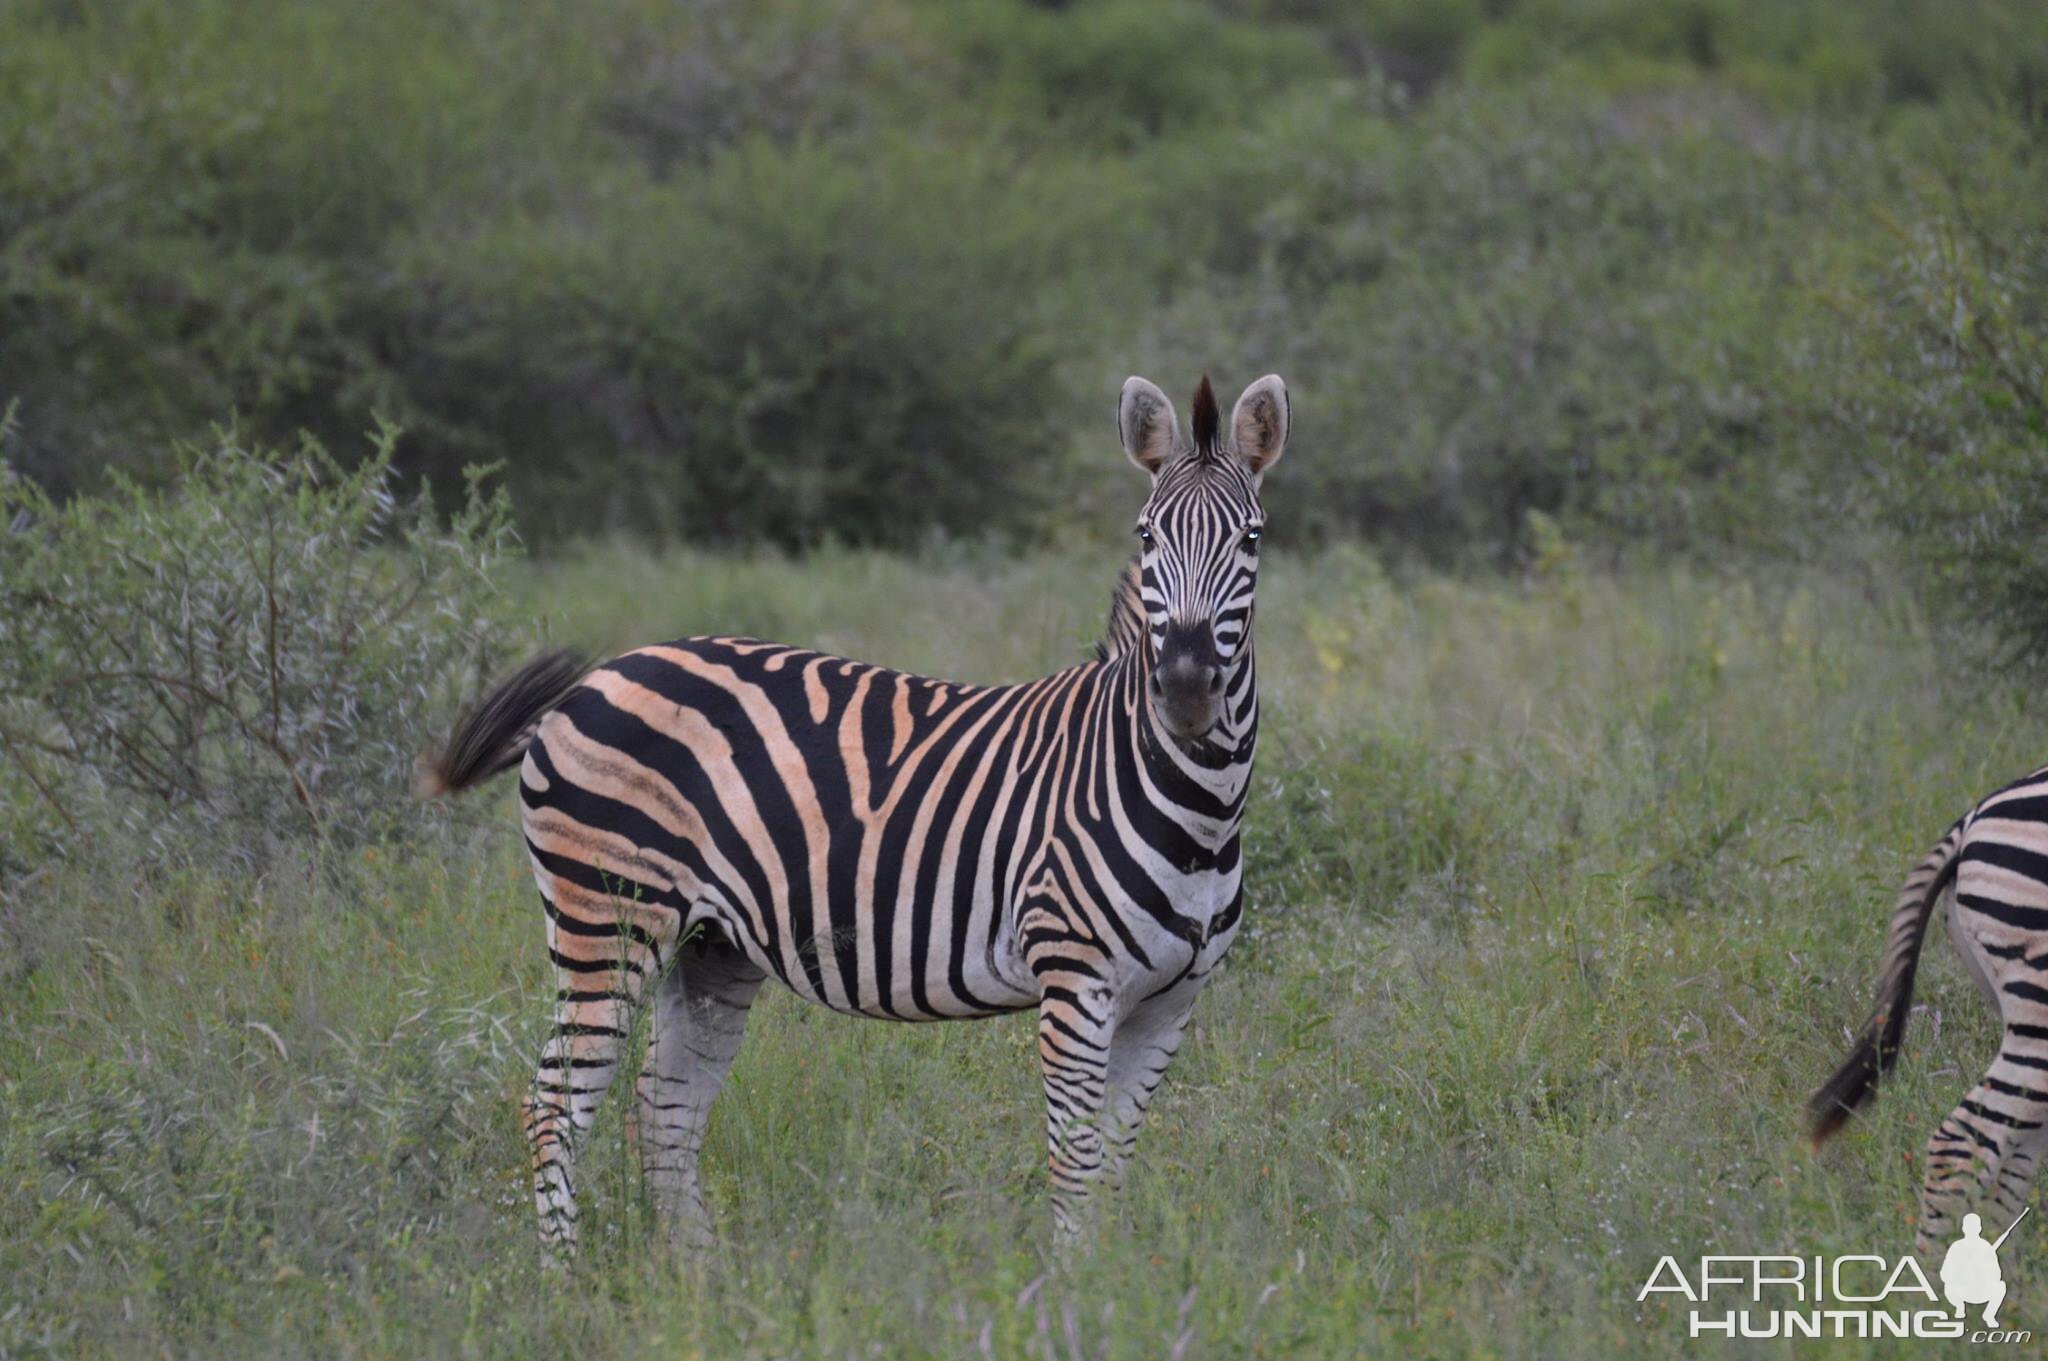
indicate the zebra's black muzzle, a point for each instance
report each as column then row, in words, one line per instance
column 1186, row 687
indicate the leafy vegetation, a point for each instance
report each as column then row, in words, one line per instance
column 807, row 271
column 1956, row 349
column 255, row 652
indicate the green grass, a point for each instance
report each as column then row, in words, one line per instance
column 1563, row 893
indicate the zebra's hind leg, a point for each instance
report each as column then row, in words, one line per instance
column 700, row 1017
column 1145, row 1043
column 605, row 949
column 1990, row 1144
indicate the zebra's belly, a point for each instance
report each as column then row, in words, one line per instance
column 921, row 973
column 922, row 961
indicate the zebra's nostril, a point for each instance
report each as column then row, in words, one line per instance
column 1215, row 682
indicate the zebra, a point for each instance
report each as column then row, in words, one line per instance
column 1992, row 869
column 706, row 813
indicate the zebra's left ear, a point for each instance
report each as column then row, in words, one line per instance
column 1258, row 425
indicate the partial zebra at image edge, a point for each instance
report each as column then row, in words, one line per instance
column 492, row 734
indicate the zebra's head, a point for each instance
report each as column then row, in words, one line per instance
column 1198, row 537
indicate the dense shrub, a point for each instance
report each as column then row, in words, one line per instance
column 1122, row 72
column 1506, row 303
column 784, row 344
column 1943, row 382
column 813, row 269
column 257, row 652
column 687, row 80
column 196, row 211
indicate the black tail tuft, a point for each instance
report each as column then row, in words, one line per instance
column 492, row 736
column 1851, row 1086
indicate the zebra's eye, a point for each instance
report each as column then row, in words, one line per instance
column 1251, row 539
column 1145, row 535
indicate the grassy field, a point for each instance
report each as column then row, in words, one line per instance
column 1563, row 893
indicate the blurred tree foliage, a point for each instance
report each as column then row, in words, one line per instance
column 1663, row 271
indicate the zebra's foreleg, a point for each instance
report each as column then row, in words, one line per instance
column 1076, row 1020
column 1144, row 1045
column 700, row 1017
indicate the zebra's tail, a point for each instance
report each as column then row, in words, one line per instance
column 1877, row 1048
column 493, row 734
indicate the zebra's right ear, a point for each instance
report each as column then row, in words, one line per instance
column 1144, row 420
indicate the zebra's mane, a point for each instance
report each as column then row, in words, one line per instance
column 1207, row 419
column 1125, row 631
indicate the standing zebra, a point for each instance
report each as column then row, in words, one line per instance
column 703, row 814
column 1995, row 859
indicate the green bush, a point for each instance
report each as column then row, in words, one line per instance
column 259, row 652
column 197, row 213
column 617, row 256
column 1805, row 52
column 1121, row 72
column 195, row 218
column 1505, row 303
column 1359, row 822
column 685, row 81
column 803, row 270
column 1414, row 42
column 1942, row 382
column 783, row 345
